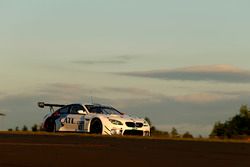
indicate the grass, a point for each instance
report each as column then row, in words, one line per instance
column 158, row 137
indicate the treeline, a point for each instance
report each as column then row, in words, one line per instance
column 172, row 134
column 237, row 127
column 34, row 128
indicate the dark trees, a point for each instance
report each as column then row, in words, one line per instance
column 236, row 127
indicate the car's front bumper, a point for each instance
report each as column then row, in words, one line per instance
column 127, row 131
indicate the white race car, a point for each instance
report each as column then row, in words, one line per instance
column 92, row 118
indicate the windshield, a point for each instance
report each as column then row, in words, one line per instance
column 102, row 110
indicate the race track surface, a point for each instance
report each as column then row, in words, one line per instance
column 30, row 150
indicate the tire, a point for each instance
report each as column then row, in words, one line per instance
column 96, row 126
column 50, row 125
column 54, row 129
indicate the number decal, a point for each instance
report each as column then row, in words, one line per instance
column 69, row 120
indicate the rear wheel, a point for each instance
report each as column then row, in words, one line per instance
column 96, row 126
column 50, row 125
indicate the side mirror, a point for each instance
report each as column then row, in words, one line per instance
column 82, row 112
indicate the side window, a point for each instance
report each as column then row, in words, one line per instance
column 75, row 108
column 96, row 110
column 64, row 110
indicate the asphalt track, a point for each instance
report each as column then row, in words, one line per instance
column 31, row 150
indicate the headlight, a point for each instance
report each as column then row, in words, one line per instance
column 145, row 123
column 115, row 122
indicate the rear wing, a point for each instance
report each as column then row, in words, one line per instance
column 42, row 105
column 2, row 114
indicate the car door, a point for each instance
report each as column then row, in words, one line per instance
column 60, row 122
column 75, row 121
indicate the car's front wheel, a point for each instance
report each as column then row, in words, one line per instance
column 96, row 126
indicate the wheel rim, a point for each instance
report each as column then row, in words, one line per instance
column 96, row 127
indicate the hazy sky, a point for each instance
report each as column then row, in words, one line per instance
column 181, row 63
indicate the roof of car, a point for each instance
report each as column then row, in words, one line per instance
column 97, row 105
column 90, row 104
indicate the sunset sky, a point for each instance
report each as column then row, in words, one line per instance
column 182, row 63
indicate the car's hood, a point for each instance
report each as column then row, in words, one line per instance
column 125, row 118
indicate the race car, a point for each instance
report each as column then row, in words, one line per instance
column 92, row 118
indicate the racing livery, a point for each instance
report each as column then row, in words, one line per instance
column 92, row 118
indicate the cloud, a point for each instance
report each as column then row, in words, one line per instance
column 123, row 96
column 133, row 92
column 218, row 73
column 123, row 59
column 204, row 97
column 68, row 92
column 62, row 92
column 126, row 57
column 71, row 93
column 59, row 91
column 2, row 95
column 96, row 62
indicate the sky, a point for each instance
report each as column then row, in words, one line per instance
column 183, row 64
